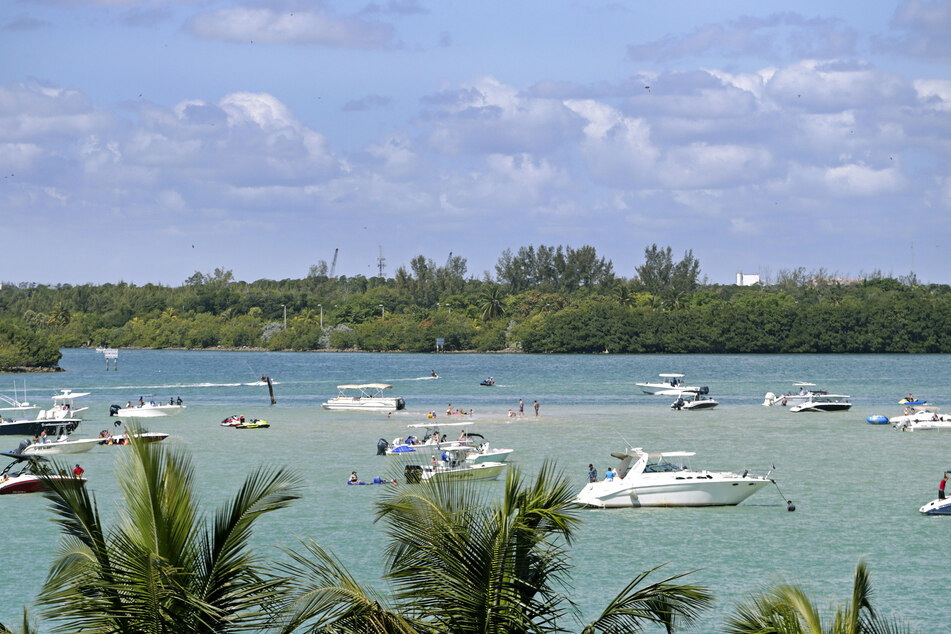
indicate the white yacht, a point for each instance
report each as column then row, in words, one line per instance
column 364, row 396
column 823, row 403
column 671, row 384
column 666, row 479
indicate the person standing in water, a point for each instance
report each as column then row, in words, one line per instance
column 536, row 408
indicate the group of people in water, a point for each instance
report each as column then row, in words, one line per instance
column 377, row 480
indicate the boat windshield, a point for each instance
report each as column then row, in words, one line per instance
column 661, row 465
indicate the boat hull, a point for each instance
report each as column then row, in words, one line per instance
column 364, row 403
column 821, row 407
column 479, row 471
column 61, row 447
column 705, row 404
column 688, row 492
column 35, row 426
column 33, row 484
column 150, row 411
column 937, row 507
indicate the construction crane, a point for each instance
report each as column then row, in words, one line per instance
column 333, row 265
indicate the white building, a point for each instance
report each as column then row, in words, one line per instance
column 746, row 279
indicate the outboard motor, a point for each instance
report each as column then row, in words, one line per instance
column 114, row 410
column 381, row 446
column 704, row 390
column 23, row 445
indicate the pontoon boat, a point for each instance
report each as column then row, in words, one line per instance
column 366, row 396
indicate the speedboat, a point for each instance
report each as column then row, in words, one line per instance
column 671, row 384
column 486, row 453
column 823, row 403
column 802, row 391
column 937, row 507
column 26, row 475
column 452, row 464
column 430, row 442
column 62, row 445
column 666, row 479
column 105, row 438
column 62, row 413
column 921, row 419
column 694, row 400
column 147, row 407
column 364, row 396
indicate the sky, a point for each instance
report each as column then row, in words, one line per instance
column 142, row 141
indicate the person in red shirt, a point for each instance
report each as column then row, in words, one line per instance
column 78, row 471
column 944, row 481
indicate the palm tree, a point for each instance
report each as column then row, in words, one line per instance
column 491, row 303
column 459, row 562
column 26, row 627
column 785, row 609
column 162, row 567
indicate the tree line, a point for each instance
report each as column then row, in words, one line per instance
column 544, row 299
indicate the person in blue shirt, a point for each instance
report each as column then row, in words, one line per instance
column 609, row 475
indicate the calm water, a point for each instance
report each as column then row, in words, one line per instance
column 857, row 486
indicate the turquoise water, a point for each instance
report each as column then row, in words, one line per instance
column 857, row 486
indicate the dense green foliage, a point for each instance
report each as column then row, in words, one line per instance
column 24, row 348
column 543, row 300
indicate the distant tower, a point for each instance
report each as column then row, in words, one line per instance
column 381, row 262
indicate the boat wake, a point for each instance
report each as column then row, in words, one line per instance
column 175, row 386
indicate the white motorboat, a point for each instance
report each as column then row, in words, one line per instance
column 823, row 403
column 63, row 412
column 147, row 407
column 452, row 464
column 62, row 445
column 364, row 396
column 921, row 419
column 694, row 400
column 666, row 479
column 13, row 404
column 486, row 453
column 26, row 475
column 671, row 384
column 937, row 507
column 802, row 391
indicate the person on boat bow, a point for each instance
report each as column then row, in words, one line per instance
column 592, row 473
column 941, row 484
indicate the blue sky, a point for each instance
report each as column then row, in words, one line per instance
column 142, row 141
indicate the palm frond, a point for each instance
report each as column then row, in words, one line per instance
column 326, row 597
column 664, row 602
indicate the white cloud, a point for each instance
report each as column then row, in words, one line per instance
column 934, row 93
column 861, row 180
column 267, row 26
